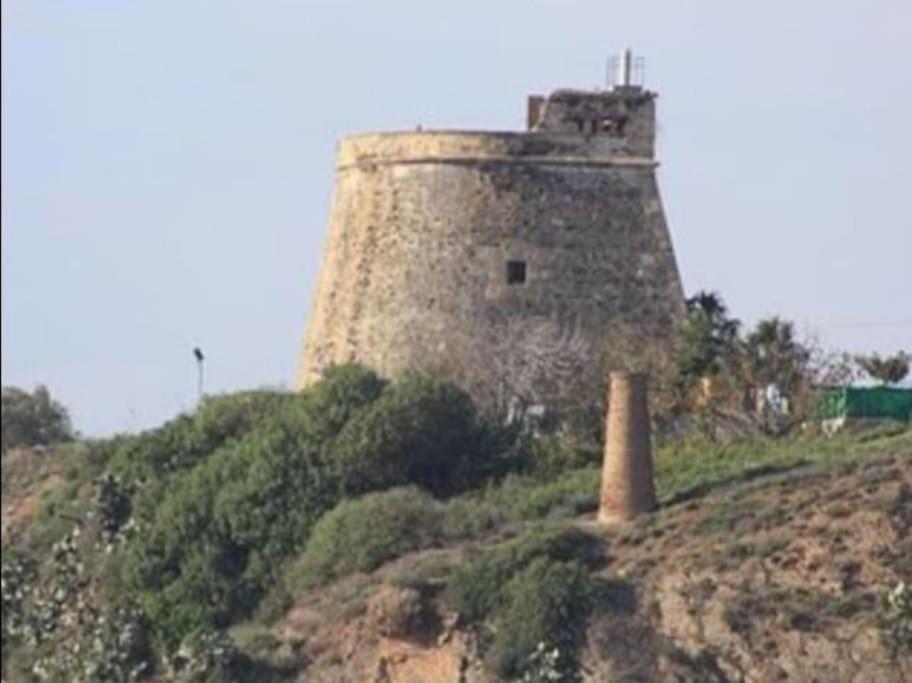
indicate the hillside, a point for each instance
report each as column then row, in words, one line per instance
column 780, row 577
column 358, row 532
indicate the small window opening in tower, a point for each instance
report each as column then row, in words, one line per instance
column 516, row 272
column 614, row 126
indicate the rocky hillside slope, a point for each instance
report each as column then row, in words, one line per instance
column 244, row 543
column 780, row 578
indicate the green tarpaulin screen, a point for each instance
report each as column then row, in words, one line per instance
column 870, row 402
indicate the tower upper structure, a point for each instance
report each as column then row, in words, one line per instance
column 509, row 261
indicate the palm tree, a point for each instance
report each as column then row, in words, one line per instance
column 773, row 355
column 888, row 370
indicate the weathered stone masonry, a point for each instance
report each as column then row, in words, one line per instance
column 506, row 260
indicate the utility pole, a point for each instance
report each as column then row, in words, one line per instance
column 198, row 354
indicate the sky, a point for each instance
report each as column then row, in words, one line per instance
column 167, row 165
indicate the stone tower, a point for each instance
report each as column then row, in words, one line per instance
column 508, row 261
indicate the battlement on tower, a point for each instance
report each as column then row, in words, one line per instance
column 624, row 113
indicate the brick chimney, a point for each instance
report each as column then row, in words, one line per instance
column 627, row 486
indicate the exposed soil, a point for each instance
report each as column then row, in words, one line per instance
column 24, row 486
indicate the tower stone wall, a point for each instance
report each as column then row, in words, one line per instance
column 505, row 260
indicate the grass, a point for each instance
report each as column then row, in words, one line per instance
column 364, row 533
column 736, row 553
column 691, row 468
column 799, row 608
column 684, row 470
column 528, row 498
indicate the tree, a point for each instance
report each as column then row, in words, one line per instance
column 33, row 419
column 708, row 338
column 889, row 369
column 772, row 355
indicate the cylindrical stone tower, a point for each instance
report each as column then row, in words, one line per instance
column 507, row 261
column 627, row 484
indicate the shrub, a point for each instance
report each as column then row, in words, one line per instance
column 421, row 430
column 897, row 620
column 220, row 420
column 575, row 491
column 212, row 538
column 182, row 442
column 548, row 456
column 32, row 419
column 342, row 392
column 214, row 656
column 361, row 534
column 524, row 498
column 476, row 592
column 17, row 573
column 547, row 603
column 467, row 517
column 537, row 589
column 212, row 544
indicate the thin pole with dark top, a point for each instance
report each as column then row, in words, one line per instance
column 198, row 354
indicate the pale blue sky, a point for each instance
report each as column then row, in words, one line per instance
column 167, row 165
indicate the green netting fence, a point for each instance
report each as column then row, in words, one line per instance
column 865, row 402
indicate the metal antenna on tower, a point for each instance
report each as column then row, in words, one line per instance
column 625, row 70
column 624, row 63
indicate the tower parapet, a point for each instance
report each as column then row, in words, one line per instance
column 617, row 121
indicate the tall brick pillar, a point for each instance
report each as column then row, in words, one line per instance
column 627, row 487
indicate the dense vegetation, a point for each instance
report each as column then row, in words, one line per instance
column 202, row 515
column 360, row 534
column 538, row 590
column 143, row 552
column 210, row 542
column 33, row 419
column 888, row 369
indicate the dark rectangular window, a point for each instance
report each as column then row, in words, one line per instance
column 516, row 272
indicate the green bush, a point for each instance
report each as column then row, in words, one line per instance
column 547, row 604
column 551, row 455
column 213, row 543
column 476, row 591
column 896, row 620
column 574, row 492
column 466, row 517
column 537, row 590
column 215, row 657
column 182, row 442
column 32, row 419
column 361, row 534
column 212, row 540
column 525, row 498
column 421, row 430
